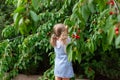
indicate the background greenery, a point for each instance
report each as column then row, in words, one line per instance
column 26, row 26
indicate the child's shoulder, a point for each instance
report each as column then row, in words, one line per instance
column 58, row 43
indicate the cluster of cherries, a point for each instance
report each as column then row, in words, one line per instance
column 112, row 3
column 76, row 36
column 116, row 30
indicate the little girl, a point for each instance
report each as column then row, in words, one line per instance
column 63, row 69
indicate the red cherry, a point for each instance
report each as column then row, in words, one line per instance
column 77, row 37
column 112, row 2
column 111, row 13
column 116, row 29
column 116, row 32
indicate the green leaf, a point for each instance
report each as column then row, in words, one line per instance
column 68, row 22
column 15, row 16
column 3, row 45
column 75, row 7
column 85, row 12
column 70, row 56
column 20, row 9
column 102, row 14
column 110, row 35
column 34, row 16
column 91, row 46
column 78, row 56
column 91, row 6
column 8, row 31
column 35, row 4
column 69, row 51
column 101, row 4
column 21, row 21
column 118, row 17
column 73, row 56
column 80, row 17
column 117, row 42
column 108, row 25
column 89, row 72
column 19, row 3
column 22, row 26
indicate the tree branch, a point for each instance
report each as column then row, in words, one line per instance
column 117, row 8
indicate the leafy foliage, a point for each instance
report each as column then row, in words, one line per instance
column 5, row 18
column 94, row 44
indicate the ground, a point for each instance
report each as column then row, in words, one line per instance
column 26, row 77
column 31, row 77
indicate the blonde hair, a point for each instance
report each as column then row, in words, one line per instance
column 60, row 32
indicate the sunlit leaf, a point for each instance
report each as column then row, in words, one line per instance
column 20, row 9
column 22, row 26
column 19, row 3
column 117, row 42
column 110, row 35
column 34, row 16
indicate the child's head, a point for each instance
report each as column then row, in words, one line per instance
column 59, row 32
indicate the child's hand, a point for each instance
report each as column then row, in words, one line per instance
column 66, row 28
